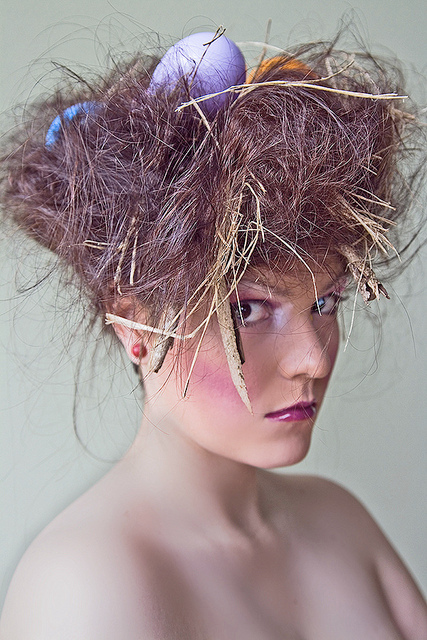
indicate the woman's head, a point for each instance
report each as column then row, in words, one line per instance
column 163, row 204
column 289, row 337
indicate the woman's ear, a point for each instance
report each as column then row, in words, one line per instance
column 133, row 340
column 133, row 343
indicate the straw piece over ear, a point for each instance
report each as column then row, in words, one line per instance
column 226, row 326
column 164, row 342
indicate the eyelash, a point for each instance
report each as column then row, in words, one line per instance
column 265, row 306
column 238, row 314
column 335, row 298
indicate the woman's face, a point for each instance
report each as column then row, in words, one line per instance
column 289, row 334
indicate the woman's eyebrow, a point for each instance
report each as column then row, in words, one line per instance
column 281, row 290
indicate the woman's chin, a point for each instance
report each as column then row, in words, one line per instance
column 284, row 455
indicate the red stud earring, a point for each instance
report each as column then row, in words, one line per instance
column 136, row 349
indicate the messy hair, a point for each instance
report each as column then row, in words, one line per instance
column 148, row 198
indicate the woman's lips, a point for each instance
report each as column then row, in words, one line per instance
column 299, row 411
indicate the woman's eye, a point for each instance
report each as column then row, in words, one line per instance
column 327, row 305
column 249, row 312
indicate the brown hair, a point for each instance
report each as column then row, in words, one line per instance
column 148, row 199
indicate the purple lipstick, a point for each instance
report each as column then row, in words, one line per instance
column 295, row 413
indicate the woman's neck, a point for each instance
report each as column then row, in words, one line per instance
column 175, row 473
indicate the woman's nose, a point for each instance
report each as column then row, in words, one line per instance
column 301, row 350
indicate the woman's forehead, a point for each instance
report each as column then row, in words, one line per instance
column 298, row 279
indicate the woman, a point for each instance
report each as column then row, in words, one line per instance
column 215, row 220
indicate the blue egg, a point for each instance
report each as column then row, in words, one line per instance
column 80, row 109
column 201, row 68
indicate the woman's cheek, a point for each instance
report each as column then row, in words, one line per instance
column 334, row 341
column 212, row 380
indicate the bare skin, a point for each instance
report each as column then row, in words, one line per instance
column 189, row 537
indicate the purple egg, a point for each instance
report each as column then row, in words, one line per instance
column 201, row 68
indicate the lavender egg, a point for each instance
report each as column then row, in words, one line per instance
column 201, row 64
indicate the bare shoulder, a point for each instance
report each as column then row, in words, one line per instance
column 71, row 584
column 324, row 505
column 339, row 525
column 89, row 581
column 329, row 504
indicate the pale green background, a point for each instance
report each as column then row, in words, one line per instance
column 371, row 435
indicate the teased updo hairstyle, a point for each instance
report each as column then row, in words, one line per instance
column 145, row 199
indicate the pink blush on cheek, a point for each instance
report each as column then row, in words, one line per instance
column 212, row 380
